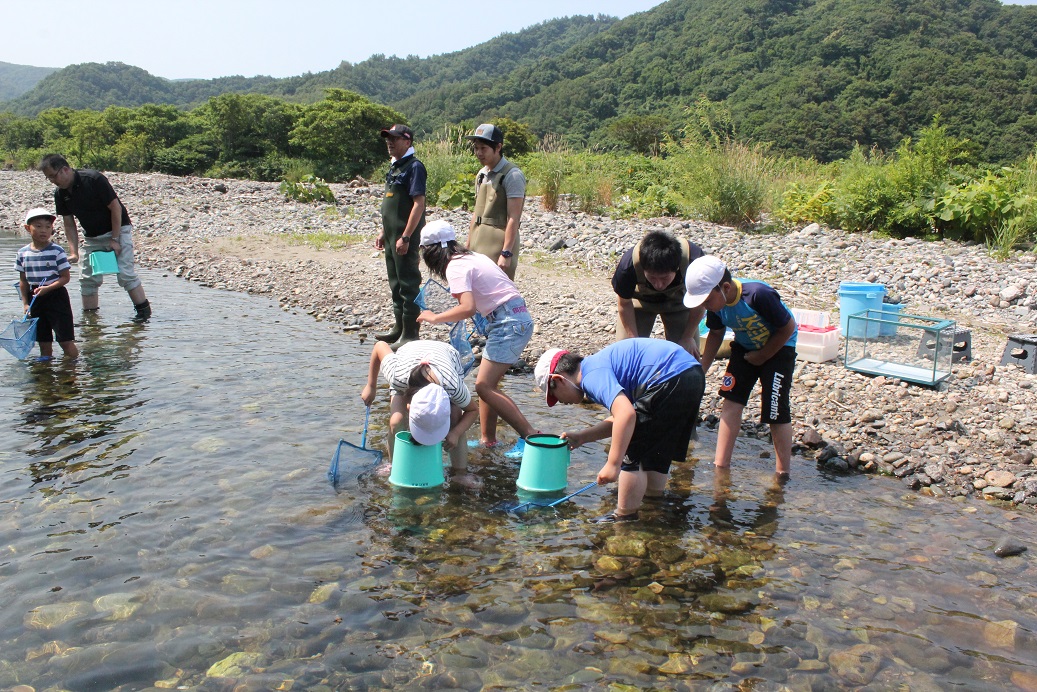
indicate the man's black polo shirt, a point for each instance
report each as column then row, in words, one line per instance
column 88, row 199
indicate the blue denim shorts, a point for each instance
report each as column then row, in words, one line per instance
column 508, row 331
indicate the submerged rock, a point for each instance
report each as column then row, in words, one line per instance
column 1008, row 548
column 858, row 664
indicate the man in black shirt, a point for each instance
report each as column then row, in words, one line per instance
column 648, row 283
column 86, row 195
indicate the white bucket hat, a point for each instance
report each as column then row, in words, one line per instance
column 430, row 415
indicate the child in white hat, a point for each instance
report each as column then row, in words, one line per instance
column 764, row 350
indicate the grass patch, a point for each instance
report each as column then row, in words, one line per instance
column 323, row 240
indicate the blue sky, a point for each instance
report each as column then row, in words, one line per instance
column 216, row 38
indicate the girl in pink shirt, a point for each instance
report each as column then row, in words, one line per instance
column 479, row 285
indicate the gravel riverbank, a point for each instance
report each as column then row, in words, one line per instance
column 973, row 434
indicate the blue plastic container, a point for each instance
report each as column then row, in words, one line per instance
column 857, row 297
column 545, row 464
column 893, row 310
column 103, row 262
column 414, row 465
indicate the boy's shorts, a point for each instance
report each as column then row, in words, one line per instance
column 775, row 377
column 54, row 312
column 666, row 417
column 509, row 329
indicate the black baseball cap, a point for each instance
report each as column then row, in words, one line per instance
column 488, row 132
column 398, row 131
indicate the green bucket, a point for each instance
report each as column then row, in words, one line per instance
column 414, row 465
column 545, row 464
column 103, row 263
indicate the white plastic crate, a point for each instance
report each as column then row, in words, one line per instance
column 810, row 318
column 817, row 344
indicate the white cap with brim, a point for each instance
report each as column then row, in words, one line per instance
column 437, row 232
column 703, row 275
column 37, row 213
column 430, row 415
column 545, row 367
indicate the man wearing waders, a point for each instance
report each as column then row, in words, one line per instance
column 403, row 217
column 500, row 194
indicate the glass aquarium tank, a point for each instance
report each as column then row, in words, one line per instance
column 909, row 347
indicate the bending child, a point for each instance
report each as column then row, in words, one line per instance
column 479, row 285
column 764, row 349
column 652, row 388
column 412, row 369
column 43, row 270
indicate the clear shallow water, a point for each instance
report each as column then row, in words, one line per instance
column 165, row 521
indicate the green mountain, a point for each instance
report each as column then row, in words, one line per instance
column 812, row 77
column 15, row 80
column 384, row 79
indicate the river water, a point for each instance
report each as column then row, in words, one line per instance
column 165, row 522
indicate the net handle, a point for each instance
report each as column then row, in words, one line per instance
column 34, row 297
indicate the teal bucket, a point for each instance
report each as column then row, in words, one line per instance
column 414, row 465
column 545, row 464
column 103, row 263
column 857, row 297
column 890, row 311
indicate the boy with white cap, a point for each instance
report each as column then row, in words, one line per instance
column 428, row 395
column 764, row 349
column 652, row 388
column 43, row 271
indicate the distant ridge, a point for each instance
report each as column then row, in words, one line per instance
column 810, row 77
column 15, row 80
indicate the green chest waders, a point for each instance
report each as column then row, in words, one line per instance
column 403, row 270
column 491, row 218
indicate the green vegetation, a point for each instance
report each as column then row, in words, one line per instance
column 15, row 80
column 309, row 188
column 901, row 117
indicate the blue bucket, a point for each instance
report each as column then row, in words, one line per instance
column 414, row 465
column 545, row 464
column 103, row 262
column 857, row 297
column 891, row 311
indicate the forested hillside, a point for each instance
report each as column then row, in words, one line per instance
column 15, row 80
column 809, row 77
column 384, row 79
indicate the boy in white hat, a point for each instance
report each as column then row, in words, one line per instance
column 427, row 377
column 652, row 388
column 43, row 271
column 764, row 349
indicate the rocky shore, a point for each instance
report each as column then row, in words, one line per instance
column 971, row 435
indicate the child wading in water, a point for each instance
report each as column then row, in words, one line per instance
column 479, row 285
column 43, row 270
column 415, row 367
column 764, row 349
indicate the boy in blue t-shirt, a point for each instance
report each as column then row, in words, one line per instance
column 764, row 349
column 43, row 270
column 652, row 388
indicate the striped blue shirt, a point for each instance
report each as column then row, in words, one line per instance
column 41, row 266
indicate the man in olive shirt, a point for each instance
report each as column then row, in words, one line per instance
column 500, row 194
column 86, row 195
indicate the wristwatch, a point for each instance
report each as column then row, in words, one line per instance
column 506, row 254
column 405, row 238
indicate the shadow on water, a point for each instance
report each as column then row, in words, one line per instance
column 166, row 522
